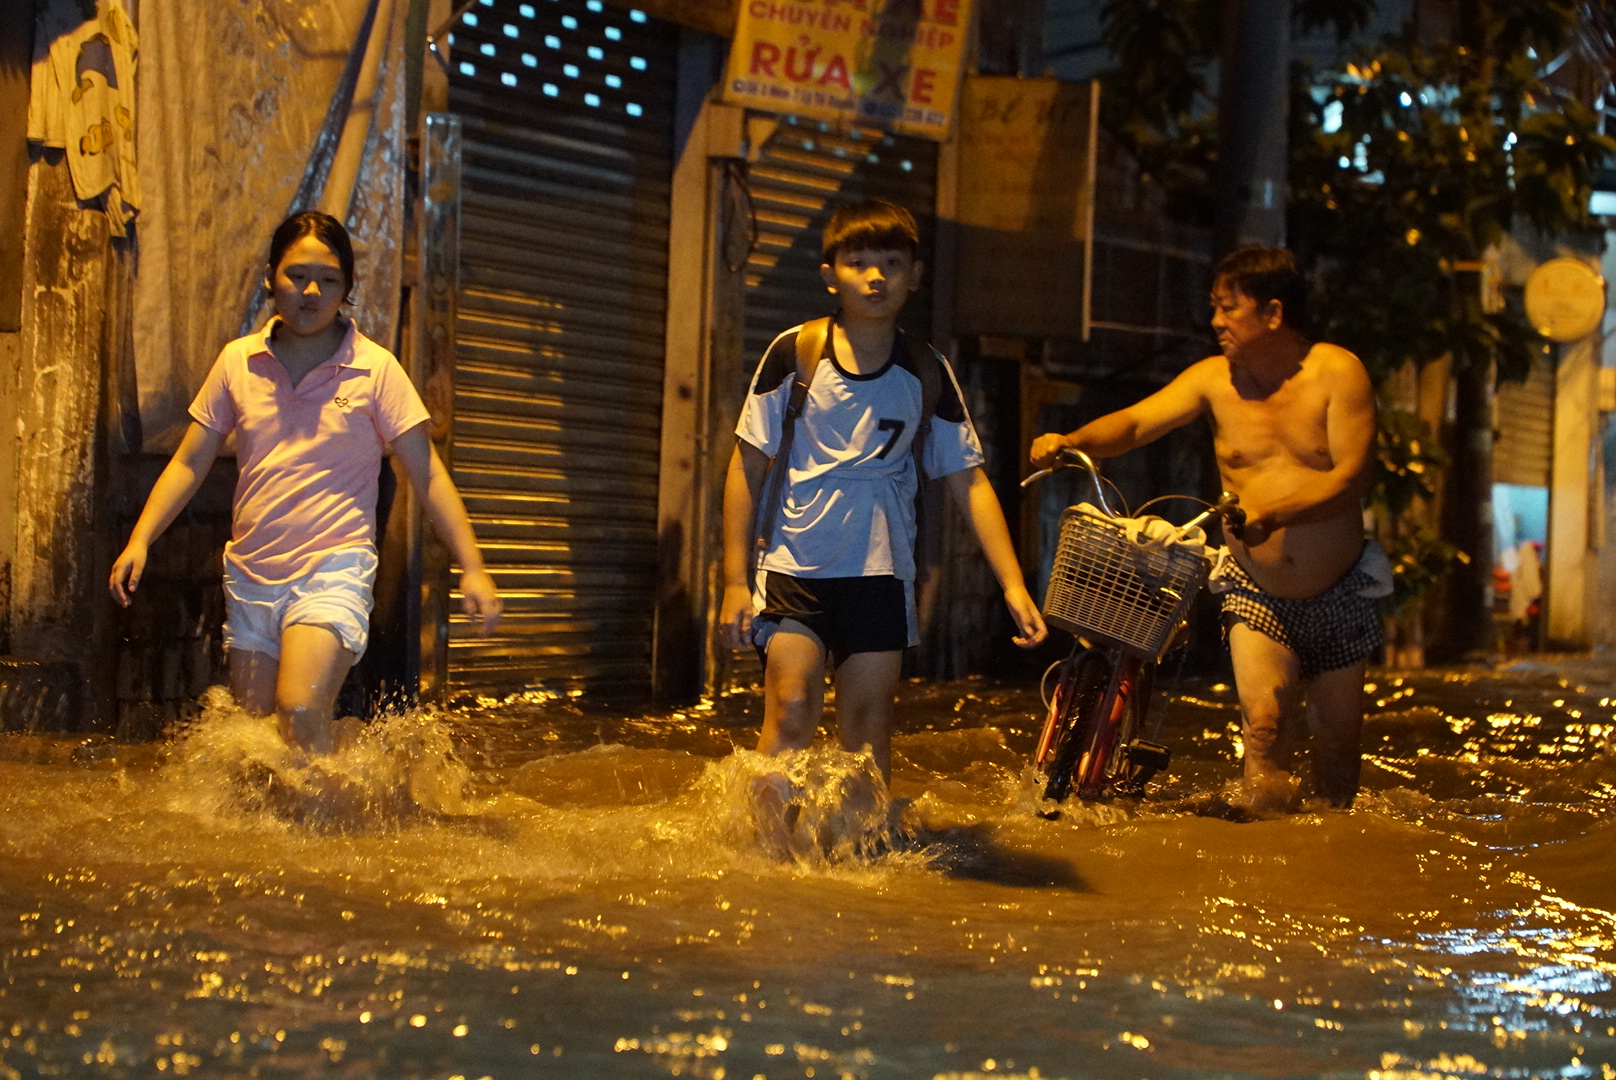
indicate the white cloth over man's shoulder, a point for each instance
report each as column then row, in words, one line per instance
column 849, row 506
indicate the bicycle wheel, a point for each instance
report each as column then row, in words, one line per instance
column 1113, row 719
column 1083, row 682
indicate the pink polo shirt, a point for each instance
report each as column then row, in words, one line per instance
column 308, row 457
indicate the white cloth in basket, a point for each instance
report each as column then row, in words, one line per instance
column 1152, row 531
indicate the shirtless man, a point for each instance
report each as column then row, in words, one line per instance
column 1293, row 423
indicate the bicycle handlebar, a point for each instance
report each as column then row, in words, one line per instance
column 1066, row 458
column 1227, row 507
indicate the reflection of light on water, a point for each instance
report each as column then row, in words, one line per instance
column 563, row 884
column 1565, row 965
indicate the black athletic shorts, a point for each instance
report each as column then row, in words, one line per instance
column 849, row 615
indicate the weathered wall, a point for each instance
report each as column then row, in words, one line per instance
column 64, row 358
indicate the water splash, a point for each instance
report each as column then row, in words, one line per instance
column 398, row 769
column 818, row 807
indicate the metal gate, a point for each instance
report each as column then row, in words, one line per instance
column 1523, row 452
column 804, row 169
column 566, row 166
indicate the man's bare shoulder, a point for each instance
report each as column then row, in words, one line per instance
column 1207, row 374
column 1336, row 364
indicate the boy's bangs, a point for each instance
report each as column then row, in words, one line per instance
column 870, row 225
column 874, row 237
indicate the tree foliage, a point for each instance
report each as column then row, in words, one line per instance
column 1406, row 166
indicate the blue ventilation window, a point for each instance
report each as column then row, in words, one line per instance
column 551, row 41
column 467, row 69
column 469, row 18
column 613, row 34
column 637, row 15
column 592, row 100
column 551, row 89
column 596, row 52
column 594, row 5
column 632, row 109
column 614, row 81
column 637, row 63
column 530, row 60
column 507, row 78
column 487, row 49
column 570, row 70
column 527, row 11
column 511, row 31
column 569, row 22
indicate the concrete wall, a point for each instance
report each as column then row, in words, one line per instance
column 60, row 392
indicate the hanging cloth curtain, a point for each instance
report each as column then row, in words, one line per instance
column 280, row 107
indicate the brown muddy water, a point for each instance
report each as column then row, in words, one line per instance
column 534, row 889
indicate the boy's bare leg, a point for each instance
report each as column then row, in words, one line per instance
column 252, row 680
column 793, row 689
column 866, row 684
column 793, row 702
column 313, row 665
column 1267, row 678
column 1335, row 717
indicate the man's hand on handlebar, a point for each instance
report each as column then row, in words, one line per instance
column 1045, row 448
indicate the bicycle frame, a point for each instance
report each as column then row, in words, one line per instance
column 1088, row 742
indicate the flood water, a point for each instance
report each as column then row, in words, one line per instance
column 532, row 888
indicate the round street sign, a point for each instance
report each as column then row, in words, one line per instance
column 1565, row 299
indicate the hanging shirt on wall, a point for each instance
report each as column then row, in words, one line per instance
column 82, row 101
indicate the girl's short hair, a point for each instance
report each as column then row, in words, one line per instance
column 870, row 223
column 324, row 228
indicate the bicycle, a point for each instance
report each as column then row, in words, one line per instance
column 1127, row 604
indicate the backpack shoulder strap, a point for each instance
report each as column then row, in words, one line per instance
column 929, row 370
column 810, row 349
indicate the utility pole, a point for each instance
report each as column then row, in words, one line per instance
column 1467, row 505
column 1253, row 115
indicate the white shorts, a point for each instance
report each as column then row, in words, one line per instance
column 335, row 594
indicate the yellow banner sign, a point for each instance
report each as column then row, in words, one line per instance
column 892, row 64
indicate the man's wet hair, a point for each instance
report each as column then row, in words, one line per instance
column 872, row 224
column 1266, row 274
column 324, row 228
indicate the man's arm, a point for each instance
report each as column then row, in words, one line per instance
column 972, row 491
column 435, row 487
column 1171, row 407
column 746, row 468
column 1350, row 422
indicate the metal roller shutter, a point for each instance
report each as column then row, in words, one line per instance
column 804, row 169
column 566, row 107
column 1524, row 417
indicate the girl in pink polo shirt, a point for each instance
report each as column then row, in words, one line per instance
column 312, row 403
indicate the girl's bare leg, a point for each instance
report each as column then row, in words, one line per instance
column 312, row 666
column 252, row 680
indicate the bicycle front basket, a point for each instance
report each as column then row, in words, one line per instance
column 1109, row 588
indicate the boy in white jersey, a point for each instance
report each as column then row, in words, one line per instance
column 836, row 573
